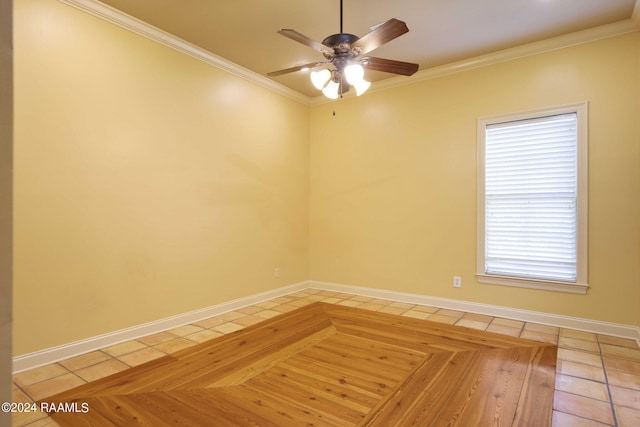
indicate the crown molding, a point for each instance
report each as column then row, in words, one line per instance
column 141, row 28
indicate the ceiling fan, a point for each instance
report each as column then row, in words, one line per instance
column 346, row 58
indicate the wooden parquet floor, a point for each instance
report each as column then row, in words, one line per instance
column 330, row 365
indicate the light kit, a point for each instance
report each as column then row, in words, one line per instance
column 345, row 63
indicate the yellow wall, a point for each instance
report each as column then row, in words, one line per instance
column 6, row 157
column 147, row 183
column 393, row 179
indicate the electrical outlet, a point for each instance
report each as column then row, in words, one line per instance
column 457, row 281
column 276, row 273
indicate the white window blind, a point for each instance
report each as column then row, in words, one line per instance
column 531, row 193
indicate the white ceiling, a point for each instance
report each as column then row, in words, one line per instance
column 440, row 31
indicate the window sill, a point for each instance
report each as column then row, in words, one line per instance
column 547, row 285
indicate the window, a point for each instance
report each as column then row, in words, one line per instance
column 532, row 199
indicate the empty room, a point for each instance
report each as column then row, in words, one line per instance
column 338, row 213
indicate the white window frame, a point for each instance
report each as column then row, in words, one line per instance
column 580, row 285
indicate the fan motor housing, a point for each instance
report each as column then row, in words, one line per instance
column 341, row 43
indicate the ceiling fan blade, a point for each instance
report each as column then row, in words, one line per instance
column 294, row 69
column 384, row 33
column 301, row 38
column 389, row 66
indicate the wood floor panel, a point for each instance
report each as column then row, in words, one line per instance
column 158, row 408
column 420, row 335
column 314, row 400
column 415, row 385
column 116, row 410
column 111, row 411
column 285, row 409
column 484, row 392
column 329, row 365
column 206, row 367
column 383, row 365
column 335, row 375
column 373, row 352
column 392, row 336
column 344, row 393
column 254, row 337
column 430, row 336
column 538, row 388
column 113, row 384
column 472, row 386
column 417, row 326
column 209, row 363
column 224, row 411
column 95, row 420
column 246, row 368
column 350, row 369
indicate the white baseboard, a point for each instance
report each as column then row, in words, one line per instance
column 588, row 325
column 55, row 354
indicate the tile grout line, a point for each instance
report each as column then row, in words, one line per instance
column 522, row 331
column 490, row 323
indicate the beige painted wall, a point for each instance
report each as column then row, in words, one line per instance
column 393, row 179
column 6, row 158
column 147, row 183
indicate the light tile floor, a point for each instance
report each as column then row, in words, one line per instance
column 597, row 381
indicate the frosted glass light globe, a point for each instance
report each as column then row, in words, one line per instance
column 361, row 87
column 331, row 90
column 354, row 73
column 320, row 78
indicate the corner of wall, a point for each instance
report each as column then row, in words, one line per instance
column 6, row 171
